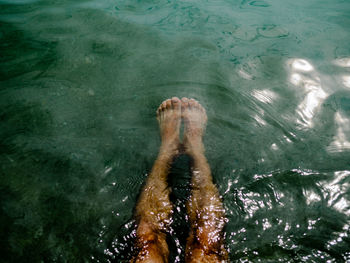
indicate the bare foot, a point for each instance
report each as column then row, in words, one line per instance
column 195, row 119
column 169, row 118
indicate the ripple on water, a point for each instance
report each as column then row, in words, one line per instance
column 272, row 31
column 80, row 83
column 282, row 211
column 259, row 3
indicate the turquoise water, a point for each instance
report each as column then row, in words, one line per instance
column 81, row 80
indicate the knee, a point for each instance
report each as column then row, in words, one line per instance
column 208, row 239
column 206, row 245
column 151, row 245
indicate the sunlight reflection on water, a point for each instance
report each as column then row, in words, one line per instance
column 303, row 75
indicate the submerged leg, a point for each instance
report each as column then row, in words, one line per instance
column 154, row 209
column 205, row 209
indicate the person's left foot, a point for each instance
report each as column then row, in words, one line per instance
column 169, row 118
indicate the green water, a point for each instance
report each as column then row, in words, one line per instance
column 79, row 85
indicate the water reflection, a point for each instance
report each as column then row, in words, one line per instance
column 342, row 62
column 265, row 96
column 304, row 75
column 341, row 139
column 278, row 217
column 301, row 65
column 336, row 191
column 346, row 81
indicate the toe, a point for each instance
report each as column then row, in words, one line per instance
column 193, row 103
column 163, row 106
column 184, row 101
column 184, row 104
column 196, row 104
column 168, row 103
column 176, row 102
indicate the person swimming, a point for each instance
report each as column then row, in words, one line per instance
column 154, row 209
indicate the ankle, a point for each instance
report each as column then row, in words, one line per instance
column 169, row 147
column 194, row 147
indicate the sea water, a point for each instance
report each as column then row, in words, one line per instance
column 80, row 82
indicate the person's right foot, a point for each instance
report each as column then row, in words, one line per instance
column 195, row 119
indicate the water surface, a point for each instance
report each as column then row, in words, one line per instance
column 81, row 80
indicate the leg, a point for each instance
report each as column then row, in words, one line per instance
column 154, row 209
column 205, row 209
